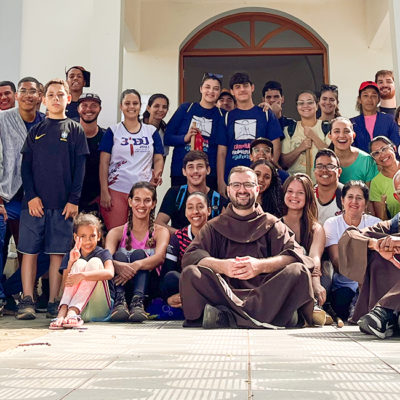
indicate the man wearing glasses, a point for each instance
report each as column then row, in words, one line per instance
column 244, row 269
column 14, row 126
column 372, row 258
column 328, row 190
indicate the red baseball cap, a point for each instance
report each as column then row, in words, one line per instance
column 368, row 84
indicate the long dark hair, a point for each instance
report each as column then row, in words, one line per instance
column 272, row 198
column 310, row 210
column 150, row 242
column 152, row 99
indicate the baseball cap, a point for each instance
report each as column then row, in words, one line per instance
column 226, row 93
column 89, row 96
column 367, row 84
column 261, row 140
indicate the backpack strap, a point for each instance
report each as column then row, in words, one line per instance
column 191, row 105
column 326, row 127
column 291, row 127
column 215, row 201
column 180, row 196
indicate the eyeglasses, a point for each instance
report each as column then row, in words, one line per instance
column 328, row 167
column 238, row 185
column 384, row 149
column 332, row 88
column 212, row 75
column 263, row 151
column 24, row 92
column 303, row 103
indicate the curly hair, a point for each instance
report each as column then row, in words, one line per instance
column 150, row 241
column 83, row 219
column 272, row 198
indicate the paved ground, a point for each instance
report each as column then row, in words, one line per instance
column 162, row 361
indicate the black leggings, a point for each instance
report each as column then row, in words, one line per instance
column 137, row 286
column 170, row 284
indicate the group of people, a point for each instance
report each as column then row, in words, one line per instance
column 258, row 229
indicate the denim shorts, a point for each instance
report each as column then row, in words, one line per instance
column 51, row 233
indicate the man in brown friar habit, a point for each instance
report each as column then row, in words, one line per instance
column 372, row 258
column 244, row 268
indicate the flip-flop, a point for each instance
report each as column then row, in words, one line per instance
column 55, row 327
column 74, row 321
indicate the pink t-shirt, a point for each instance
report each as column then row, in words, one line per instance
column 370, row 124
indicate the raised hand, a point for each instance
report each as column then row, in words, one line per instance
column 75, row 253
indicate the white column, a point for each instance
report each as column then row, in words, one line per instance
column 10, row 42
column 394, row 11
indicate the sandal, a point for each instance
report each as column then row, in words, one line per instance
column 73, row 321
column 57, row 323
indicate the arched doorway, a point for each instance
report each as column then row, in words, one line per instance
column 267, row 46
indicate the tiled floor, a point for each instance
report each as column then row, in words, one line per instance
column 162, row 361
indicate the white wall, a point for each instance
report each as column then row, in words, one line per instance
column 58, row 34
column 341, row 23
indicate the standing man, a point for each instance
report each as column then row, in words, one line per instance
column 244, row 124
column 272, row 94
column 14, row 126
column 385, row 81
column 244, row 268
column 7, row 95
column 77, row 79
column 89, row 109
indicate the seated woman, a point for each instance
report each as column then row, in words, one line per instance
column 130, row 151
column 381, row 194
column 301, row 216
column 355, row 163
column 138, row 247
column 197, row 212
column 300, row 145
column 354, row 202
column 86, row 270
column 270, row 196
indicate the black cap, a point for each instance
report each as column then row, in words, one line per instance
column 261, row 140
column 226, row 93
column 89, row 96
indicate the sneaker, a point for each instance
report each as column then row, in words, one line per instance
column 26, row 308
column 215, row 318
column 119, row 313
column 379, row 322
column 52, row 309
column 42, row 303
column 136, row 310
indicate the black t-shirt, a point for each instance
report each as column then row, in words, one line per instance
column 175, row 207
column 53, row 162
column 72, row 111
column 91, row 183
column 99, row 252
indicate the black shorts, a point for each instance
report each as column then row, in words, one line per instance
column 51, row 233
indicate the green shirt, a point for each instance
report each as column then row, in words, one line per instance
column 363, row 169
column 380, row 185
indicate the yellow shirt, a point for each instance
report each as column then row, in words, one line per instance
column 290, row 143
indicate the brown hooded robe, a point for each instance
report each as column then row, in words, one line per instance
column 269, row 298
column 379, row 279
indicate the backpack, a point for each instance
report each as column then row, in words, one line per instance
column 215, row 200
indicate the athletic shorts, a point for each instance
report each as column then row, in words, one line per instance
column 51, row 233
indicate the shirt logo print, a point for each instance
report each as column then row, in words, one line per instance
column 37, row 137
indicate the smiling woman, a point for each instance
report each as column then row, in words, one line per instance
column 131, row 151
column 300, row 146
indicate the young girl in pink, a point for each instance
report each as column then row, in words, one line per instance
column 138, row 247
column 85, row 270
